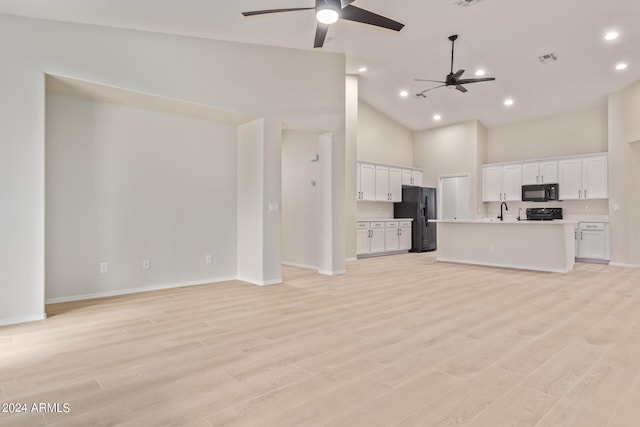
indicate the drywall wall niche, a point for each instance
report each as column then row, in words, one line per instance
column 125, row 184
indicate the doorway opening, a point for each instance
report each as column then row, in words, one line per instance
column 454, row 196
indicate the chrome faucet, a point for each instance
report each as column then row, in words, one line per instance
column 519, row 214
column 501, row 217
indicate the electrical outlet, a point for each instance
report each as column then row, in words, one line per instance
column 209, row 259
column 146, row 264
column 104, row 268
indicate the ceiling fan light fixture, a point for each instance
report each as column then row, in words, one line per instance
column 327, row 14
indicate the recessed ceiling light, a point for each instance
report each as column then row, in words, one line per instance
column 362, row 69
column 611, row 35
column 404, row 93
column 621, row 66
column 437, row 117
column 508, row 102
column 480, row 73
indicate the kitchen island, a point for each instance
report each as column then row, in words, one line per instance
column 529, row 245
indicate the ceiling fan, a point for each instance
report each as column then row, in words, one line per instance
column 453, row 79
column 329, row 11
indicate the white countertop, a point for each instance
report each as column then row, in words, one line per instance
column 385, row 219
column 506, row 221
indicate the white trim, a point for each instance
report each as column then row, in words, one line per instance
column 22, row 319
column 295, row 264
column 510, row 266
column 261, row 282
column 332, row 272
column 137, row 290
column 351, row 259
column 622, row 264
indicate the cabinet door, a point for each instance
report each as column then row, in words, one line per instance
column 404, row 243
column 382, row 183
column 358, row 169
column 395, row 184
column 362, row 241
column 591, row 244
column 512, row 183
column 549, row 172
column 530, row 173
column 594, row 178
column 416, row 176
column 391, row 239
column 367, row 182
column 376, row 243
column 570, row 179
column 492, row 184
column 406, row 177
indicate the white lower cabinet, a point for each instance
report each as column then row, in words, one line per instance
column 383, row 236
column 370, row 238
column 404, row 243
column 592, row 241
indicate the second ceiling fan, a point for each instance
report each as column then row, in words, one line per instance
column 329, row 11
column 453, row 79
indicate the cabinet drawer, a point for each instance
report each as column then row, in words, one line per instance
column 361, row 225
column 376, row 224
column 405, row 224
column 391, row 224
column 591, row 226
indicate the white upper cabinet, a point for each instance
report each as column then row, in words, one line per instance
column 412, row 177
column 366, row 182
column 502, row 183
column 383, row 183
column 543, row 172
column 395, row 184
column 578, row 177
column 583, row 178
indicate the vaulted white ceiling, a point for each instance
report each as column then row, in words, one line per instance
column 505, row 37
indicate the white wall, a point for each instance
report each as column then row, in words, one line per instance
column 624, row 176
column 125, row 184
column 452, row 150
column 300, row 198
column 582, row 132
column 381, row 140
column 305, row 88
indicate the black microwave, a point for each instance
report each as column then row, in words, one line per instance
column 540, row 192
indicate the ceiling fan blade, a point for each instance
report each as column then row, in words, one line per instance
column 263, row 12
column 461, row 89
column 352, row 13
column 422, row 94
column 483, row 79
column 433, row 81
column 346, row 3
column 458, row 74
column 321, row 34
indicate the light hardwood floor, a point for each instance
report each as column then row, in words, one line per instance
column 399, row 340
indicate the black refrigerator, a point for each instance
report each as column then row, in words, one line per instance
column 419, row 203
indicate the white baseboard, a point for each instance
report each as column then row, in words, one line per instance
column 260, row 282
column 136, row 290
column 351, row 259
column 621, row 264
column 22, row 319
column 332, row 272
column 295, row 264
column 499, row 265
